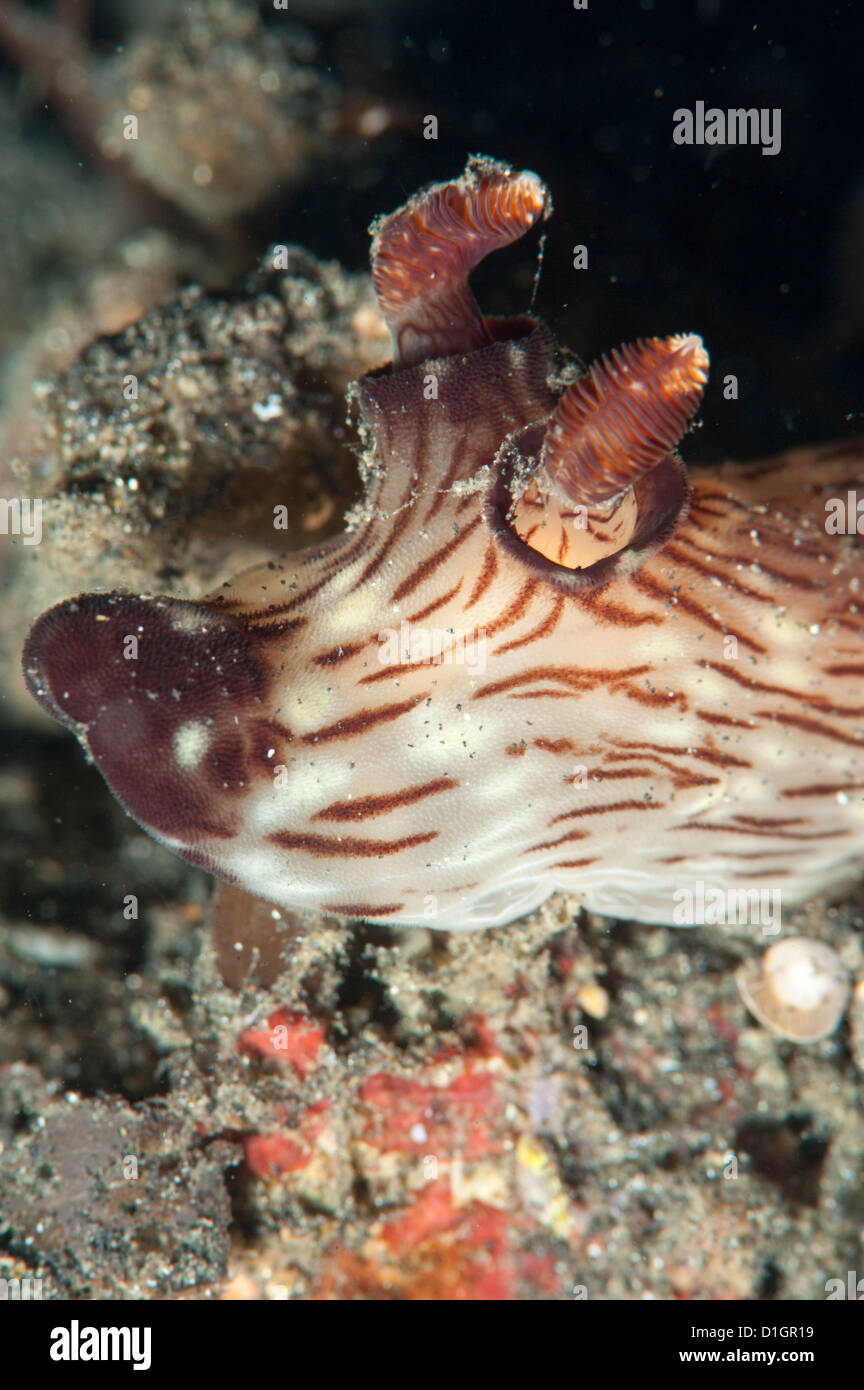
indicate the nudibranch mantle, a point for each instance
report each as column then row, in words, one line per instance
column 541, row 657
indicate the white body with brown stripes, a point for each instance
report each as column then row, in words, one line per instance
column 692, row 717
column 699, row 721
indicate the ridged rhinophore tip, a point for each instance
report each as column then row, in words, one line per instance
column 423, row 254
column 617, row 422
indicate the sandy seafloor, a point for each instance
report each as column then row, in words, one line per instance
column 432, row 1131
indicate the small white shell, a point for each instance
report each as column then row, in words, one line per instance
column 799, row 989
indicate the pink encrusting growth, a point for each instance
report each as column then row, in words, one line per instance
column 289, row 1037
column 660, row 690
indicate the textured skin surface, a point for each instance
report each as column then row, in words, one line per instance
column 691, row 713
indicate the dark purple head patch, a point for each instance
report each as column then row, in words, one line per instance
column 151, row 688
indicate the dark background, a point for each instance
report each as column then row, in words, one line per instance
column 759, row 254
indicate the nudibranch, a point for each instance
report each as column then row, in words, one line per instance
column 541, row 657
